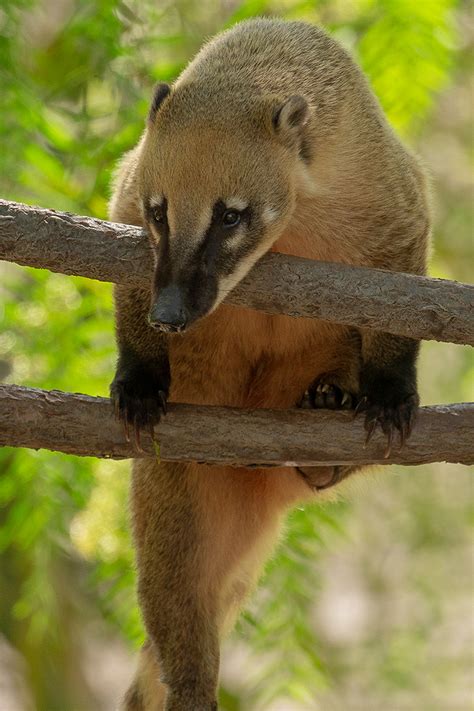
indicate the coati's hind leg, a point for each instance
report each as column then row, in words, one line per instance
column 202, row 534
column 324, row 393
column 146, row 693
column 178, row 612
column 338, row 387
column 320, row 478
column 334, row 390
column 330, row 391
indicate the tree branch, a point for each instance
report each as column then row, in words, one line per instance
column 401, row 304
column 85, row 426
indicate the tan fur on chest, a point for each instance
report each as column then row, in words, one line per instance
column 245, row 358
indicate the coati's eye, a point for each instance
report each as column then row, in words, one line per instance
column 231, row 218
column 158, row 215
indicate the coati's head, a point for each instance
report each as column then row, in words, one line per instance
column 218, row 185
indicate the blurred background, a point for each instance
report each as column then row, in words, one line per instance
column 368, row 603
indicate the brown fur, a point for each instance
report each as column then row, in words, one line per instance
column 353, row 195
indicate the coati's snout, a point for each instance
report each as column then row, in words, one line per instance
column 177, row 304
column 168, row 313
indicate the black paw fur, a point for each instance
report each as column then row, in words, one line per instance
column 139, row 395
column 390, row 402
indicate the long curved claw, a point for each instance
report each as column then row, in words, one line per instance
column 327, row 393
column 403, row 434
column 151, row 430
column 361, row 406
column 346, row 402
column 136, row 427
column 162, row 399
column 405, row 431
column 116, row 407
column 388, row 448
column 126, row 429
column 370, row 427
column 392, row 417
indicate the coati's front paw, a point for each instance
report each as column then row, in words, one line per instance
column 389, row 402
column 139, row 398
column 327, row 394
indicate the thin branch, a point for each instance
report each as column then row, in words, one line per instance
column 403, row 304
column 85, row 426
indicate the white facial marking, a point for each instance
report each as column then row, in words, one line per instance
column 305, row 182
column 202, row 224
column 235, row 235
column 156, row 200
column 269, row 214
column 226, row 284
column 187, row 229
column 235, row 203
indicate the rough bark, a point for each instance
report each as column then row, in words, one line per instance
column 85, row 426
column 402, row 304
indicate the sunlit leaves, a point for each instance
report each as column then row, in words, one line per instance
column 407, row 51
column 280, row 637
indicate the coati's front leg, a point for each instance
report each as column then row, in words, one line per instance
column 329, row 392
column 142, row 380
column 388, row 390
column 334, row 390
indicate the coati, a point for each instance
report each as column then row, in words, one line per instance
column 270, row 139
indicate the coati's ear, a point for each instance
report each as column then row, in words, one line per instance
column 288, row 118
column 160, row 93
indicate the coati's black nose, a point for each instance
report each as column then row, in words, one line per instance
column 168, row 313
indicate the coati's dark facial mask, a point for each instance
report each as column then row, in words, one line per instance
column 193, row 268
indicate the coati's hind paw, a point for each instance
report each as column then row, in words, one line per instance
column 320, row 478
column 325, row 394
column 139, row 400
column 393, row 409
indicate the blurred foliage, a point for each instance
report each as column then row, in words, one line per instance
column 75, row 79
